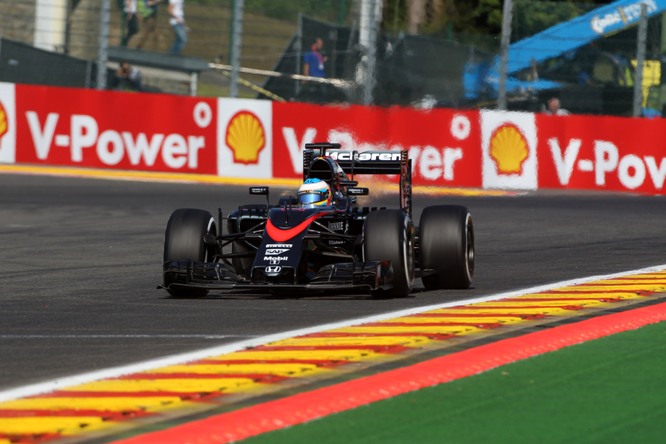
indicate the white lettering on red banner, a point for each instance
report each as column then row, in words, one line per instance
column 630, row 170
column 234, row 138
column 110, row 146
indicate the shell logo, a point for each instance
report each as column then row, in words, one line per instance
column 4, row 124
column 246, row 137
column 508, row 148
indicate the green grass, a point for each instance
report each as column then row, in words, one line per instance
column 610, row 390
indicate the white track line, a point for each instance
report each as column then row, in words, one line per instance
column 114, row 372
column 88, row 336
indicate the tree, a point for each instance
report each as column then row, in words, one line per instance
column 479, row 16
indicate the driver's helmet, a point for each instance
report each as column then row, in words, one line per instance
column 314, row 192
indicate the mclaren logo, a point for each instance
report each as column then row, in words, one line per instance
column 246, row 137
column 367, row 156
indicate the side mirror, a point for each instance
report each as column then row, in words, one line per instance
column 259, row 191
column 357, row 191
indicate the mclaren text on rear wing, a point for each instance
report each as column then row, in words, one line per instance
column 357, row 162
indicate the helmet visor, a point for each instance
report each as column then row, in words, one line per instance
column 313, row 197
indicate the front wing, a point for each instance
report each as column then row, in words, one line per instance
column 371, row 275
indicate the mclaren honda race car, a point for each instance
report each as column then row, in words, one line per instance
column 321, row 239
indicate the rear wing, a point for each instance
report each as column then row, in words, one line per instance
column 363, row 162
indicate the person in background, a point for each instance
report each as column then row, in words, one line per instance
column 177, row 22
column 128, row 77
column 313, row 65
column 131, row 21
column 148, row 12
column 553, row 107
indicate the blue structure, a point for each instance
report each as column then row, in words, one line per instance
column 482, row 79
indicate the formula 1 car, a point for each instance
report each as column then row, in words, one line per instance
column 291, row 247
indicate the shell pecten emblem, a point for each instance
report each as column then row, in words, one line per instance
column 246, row 137
column 508, row 148
column 4, row 124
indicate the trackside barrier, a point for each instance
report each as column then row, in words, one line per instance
column 239, row 138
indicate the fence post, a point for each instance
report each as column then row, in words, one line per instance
column 640, row 62
column 507, row 14
column 370, row 9
column 103, row 50
column 237, row 30
column 298, row 47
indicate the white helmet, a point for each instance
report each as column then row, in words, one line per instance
column 314, row 192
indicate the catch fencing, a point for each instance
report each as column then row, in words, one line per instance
column 386, row 53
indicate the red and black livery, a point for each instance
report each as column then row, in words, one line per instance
column 285, row 247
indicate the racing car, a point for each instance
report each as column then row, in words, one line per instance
column 322, row 239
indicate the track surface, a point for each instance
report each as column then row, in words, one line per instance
column 81, row 259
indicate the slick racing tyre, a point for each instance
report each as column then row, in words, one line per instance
column 184, row 239
column 389, row 235
column 446, row 240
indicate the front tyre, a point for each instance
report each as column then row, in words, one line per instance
column 389, row 235
column 185, row 239
column 446, row 240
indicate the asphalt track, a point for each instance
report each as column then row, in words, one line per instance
column 81, row 259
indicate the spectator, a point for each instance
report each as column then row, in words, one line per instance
column 148, row 12
column 177, row 22
column 128, row 77
column 554, row 107
column 313, row 66
column 130, row 21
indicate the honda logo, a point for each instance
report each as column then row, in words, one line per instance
column 273, row 269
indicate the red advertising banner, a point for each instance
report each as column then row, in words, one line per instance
column 602, row 153
column 261, row 139
column 109, row 129
column 443, row 144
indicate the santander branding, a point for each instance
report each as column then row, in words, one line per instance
column 111, row 147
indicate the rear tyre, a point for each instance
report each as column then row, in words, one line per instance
column 185, row 239
column 389, row 235
column 446, row 240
